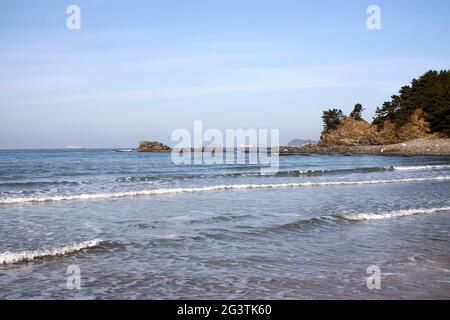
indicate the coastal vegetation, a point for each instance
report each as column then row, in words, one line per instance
column 419, row 110
column 430, row 92
column 332, row 118
column 357, row 112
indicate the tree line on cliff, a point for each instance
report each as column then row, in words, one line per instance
column 430, row 92
column 333, row 117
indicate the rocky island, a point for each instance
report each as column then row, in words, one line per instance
column 151, row 146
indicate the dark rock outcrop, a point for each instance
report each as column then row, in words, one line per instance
column 152, row 146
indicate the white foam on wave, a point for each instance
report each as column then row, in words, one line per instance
column 97, row 196
column 392, row 214
column 429, row 167
column 9, row 257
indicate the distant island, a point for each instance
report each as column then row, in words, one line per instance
column 297, row 143
column 151, row 146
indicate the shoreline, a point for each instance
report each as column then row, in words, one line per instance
column 416, row 147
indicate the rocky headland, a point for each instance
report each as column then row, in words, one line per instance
column 416, row 121
column 357, row 136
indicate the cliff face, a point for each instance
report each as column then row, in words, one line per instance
column 417, row 127
column 351, row 132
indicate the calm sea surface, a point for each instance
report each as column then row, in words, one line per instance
column 137, row 226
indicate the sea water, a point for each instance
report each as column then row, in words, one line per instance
column 137, row 226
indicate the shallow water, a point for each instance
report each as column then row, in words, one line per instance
column 140, row 227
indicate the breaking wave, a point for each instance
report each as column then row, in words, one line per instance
column 293, row 173
column 148, row 192
column 299, row 224
column 9, row 257
column 390, row 215
column 359, row 170
column 429, row 167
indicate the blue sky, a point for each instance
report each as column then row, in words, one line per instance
column 140, row 69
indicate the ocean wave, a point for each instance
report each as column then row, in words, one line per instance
column 158, row 177
column 427, row 167
column 187, row 176
column 148, row 192
column 283, row 173
column 353, row 217
column 332, row 171
column 359, row 170
column 38, row 183
column 299, row 224
column 137, row 178
column 9, row 257
column 390, row 215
